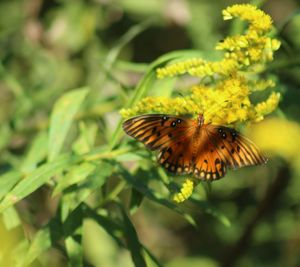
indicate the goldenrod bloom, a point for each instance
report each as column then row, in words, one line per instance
column 259, row 21
column 185, row 192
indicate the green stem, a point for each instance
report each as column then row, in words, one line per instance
column 107, row 154
column 113, row 194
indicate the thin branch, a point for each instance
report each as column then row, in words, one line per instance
column 272, row 194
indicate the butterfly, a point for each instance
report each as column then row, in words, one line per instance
column 191, row 147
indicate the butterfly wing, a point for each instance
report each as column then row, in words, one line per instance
column 225, row 147
column 208, row 164
column 186, row 148
column 171, row 135
column 235, row 149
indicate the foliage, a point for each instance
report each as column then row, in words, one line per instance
column 74, row 191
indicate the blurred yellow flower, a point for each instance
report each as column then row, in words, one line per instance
column 285, row 139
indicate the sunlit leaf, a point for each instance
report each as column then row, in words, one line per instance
column 35, row 179
column 40, row 243
column 7, row 181
column 61, row 119
column 11, row 218
column 37, row 151
column 75, row 175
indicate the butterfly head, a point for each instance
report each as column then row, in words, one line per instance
column 200, row 119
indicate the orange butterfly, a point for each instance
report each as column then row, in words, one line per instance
column 189, row 146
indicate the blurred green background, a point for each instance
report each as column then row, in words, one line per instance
column 48, row 48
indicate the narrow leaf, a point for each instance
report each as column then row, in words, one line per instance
column 73, row 197
column 36, row 153
column 75, row 175
column 40, row 243
column 154, row 196
column 11, row 218
column 7, row 182
column 133, row 243
column 72, row 228
column 61, row 119
column 35, row 179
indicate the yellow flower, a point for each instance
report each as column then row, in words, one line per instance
column 241, row 51
column 179, row 68
column 185, row 192
column 261, row 84
column 259, row 21
column 267, row 106
column 284, row 135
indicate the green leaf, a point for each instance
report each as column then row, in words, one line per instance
column 52, row 233
column 35, row 179
column 116, row 231
column 36, row 152
column 11, row 218
column 110, row 226
column 73, row 197
column 75, row 252
column 154, row 196
column 72, row 228
column 149, row 256
column 7, row 182
column 75, row 175
column 86, row 138
column 163, row 87
column 132, row 241
column 61, row 119
column 135, row 200
column 40, row 243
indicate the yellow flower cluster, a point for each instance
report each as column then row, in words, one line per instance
column 241, row 51
column 185, row 192
column 267, row 106
column 224, row 98
column 198, row 67
column 252, row 47
column 259, row 21
column 226, row 103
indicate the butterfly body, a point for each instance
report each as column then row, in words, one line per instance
column 188, row 146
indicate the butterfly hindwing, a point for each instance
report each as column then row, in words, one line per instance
column 177, row 156
column 208, row 163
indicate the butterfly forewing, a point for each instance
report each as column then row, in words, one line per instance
column 157, row 131
column 171, row 135
column 234, row 149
